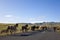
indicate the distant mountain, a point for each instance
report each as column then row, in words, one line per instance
column 43, row 23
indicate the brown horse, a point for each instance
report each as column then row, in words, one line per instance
column 37, row 27
column 24, row 28
column 44, row 28
column 33, row 28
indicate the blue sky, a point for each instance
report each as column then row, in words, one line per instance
column 29, row 11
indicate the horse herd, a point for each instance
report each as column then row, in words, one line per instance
column 25, row 28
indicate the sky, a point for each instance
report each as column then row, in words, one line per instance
column 29, row 11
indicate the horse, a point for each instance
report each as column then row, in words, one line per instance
column 12, row 28
column 24, row 28
column 37, row 27
column 54, row 28
column 44, row 28
column 33, row 28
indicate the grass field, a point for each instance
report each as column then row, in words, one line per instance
column 4, row 27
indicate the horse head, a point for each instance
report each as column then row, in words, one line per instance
column 16, row 25
column 26, row 25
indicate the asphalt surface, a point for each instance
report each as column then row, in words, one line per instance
column 36, row 35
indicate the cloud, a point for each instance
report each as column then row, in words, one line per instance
column 9, row 19
column 16, row 19
column 8, row 16
column 38, row 18
column 11, row 16
column 36, row 21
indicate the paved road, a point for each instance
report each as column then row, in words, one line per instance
column 33, row 36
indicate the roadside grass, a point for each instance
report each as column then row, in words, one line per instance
column 4, row 27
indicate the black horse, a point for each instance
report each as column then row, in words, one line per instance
column 33, row 28
column 12, row 28
column 24, row 28
column 54, row 28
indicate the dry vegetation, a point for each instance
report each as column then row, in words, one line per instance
column 4, row 26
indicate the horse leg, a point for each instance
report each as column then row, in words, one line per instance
column 15, row 31
column 11, row 32
column 26, row 29
column 23, row 29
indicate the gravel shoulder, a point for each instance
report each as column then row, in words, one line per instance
column 33, row 36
